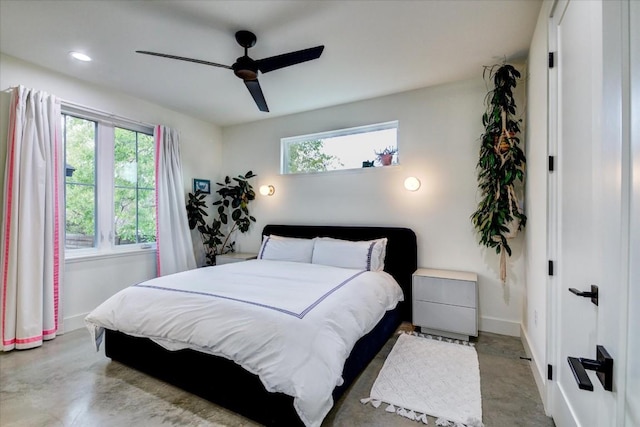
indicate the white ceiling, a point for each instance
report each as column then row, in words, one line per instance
column 372, row 48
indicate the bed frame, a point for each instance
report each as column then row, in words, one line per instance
column 224, row 382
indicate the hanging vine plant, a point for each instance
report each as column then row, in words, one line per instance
column 501, row 164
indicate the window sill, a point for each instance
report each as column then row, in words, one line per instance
column 71, row 258
column 345, row 171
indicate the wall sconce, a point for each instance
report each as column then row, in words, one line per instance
column 412, row 183
column 267, row 190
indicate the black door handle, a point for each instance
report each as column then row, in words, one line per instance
column 593, row 294
column 603, row 365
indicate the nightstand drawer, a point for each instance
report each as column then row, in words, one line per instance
column 461, row 320
column 445, row 291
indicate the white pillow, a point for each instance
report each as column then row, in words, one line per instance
column 378, row 254
column 363, row 255
column 280, row 248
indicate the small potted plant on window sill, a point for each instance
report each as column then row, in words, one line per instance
column 385, row 157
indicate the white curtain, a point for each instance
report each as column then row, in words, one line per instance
column 173, row 237
column 32, row 255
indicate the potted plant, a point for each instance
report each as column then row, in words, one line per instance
column 385, row 157
column 232, row 215
column 500, row 166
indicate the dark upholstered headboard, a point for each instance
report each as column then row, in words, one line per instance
column 402, row 252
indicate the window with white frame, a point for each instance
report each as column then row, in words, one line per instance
column 353, row 148
column 109, row 182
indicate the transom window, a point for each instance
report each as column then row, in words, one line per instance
column 353, row 148
column 109, row 183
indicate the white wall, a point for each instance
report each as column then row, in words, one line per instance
column 88, row 283
column 534, row 319
column 439, row 130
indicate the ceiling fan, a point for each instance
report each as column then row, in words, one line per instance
column 247, row 68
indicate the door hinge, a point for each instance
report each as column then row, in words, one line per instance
column 552, row 161
column 550, row 268
column 550, row 372
column 551, row 59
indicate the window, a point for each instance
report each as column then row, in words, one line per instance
column 80, row 181
column 109, row 182
column 134, row 193
column 358, row 147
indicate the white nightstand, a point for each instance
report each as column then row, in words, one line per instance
column 234, row 257
column 446, row 302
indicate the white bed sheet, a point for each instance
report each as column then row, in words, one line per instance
column 292, row 324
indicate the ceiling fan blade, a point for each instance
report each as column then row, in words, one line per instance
column 182, row 58
column 286, row 59
column 258, row 96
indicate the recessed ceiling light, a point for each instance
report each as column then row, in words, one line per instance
column 80, row 56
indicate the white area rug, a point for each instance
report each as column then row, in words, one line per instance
column 428, row 376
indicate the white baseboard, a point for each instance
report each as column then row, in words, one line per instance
column 499, row 326
column 74, row 322
column 536, row 369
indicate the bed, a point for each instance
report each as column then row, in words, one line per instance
column 222, row 381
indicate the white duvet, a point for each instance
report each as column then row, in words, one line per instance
column 292, row 324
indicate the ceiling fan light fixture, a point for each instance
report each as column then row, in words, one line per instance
column 246, row 74
column 80, row 56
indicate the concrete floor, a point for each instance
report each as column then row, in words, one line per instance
column 66, row 383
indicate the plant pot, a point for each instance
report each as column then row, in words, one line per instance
column 386, row 159
column 504, row 147
column 513, row 226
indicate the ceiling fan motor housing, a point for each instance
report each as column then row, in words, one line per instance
column 245, row 68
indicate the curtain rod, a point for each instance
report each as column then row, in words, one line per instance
column 64, row 102
column 95, row 111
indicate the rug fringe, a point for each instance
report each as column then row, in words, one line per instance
column 446, row 423
column 409, row 414
column 420, row 417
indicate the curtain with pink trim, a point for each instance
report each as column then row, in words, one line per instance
column 32, row 258
column 173, row 237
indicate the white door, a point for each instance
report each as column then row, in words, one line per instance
column 632, row 398
column 592, row 207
